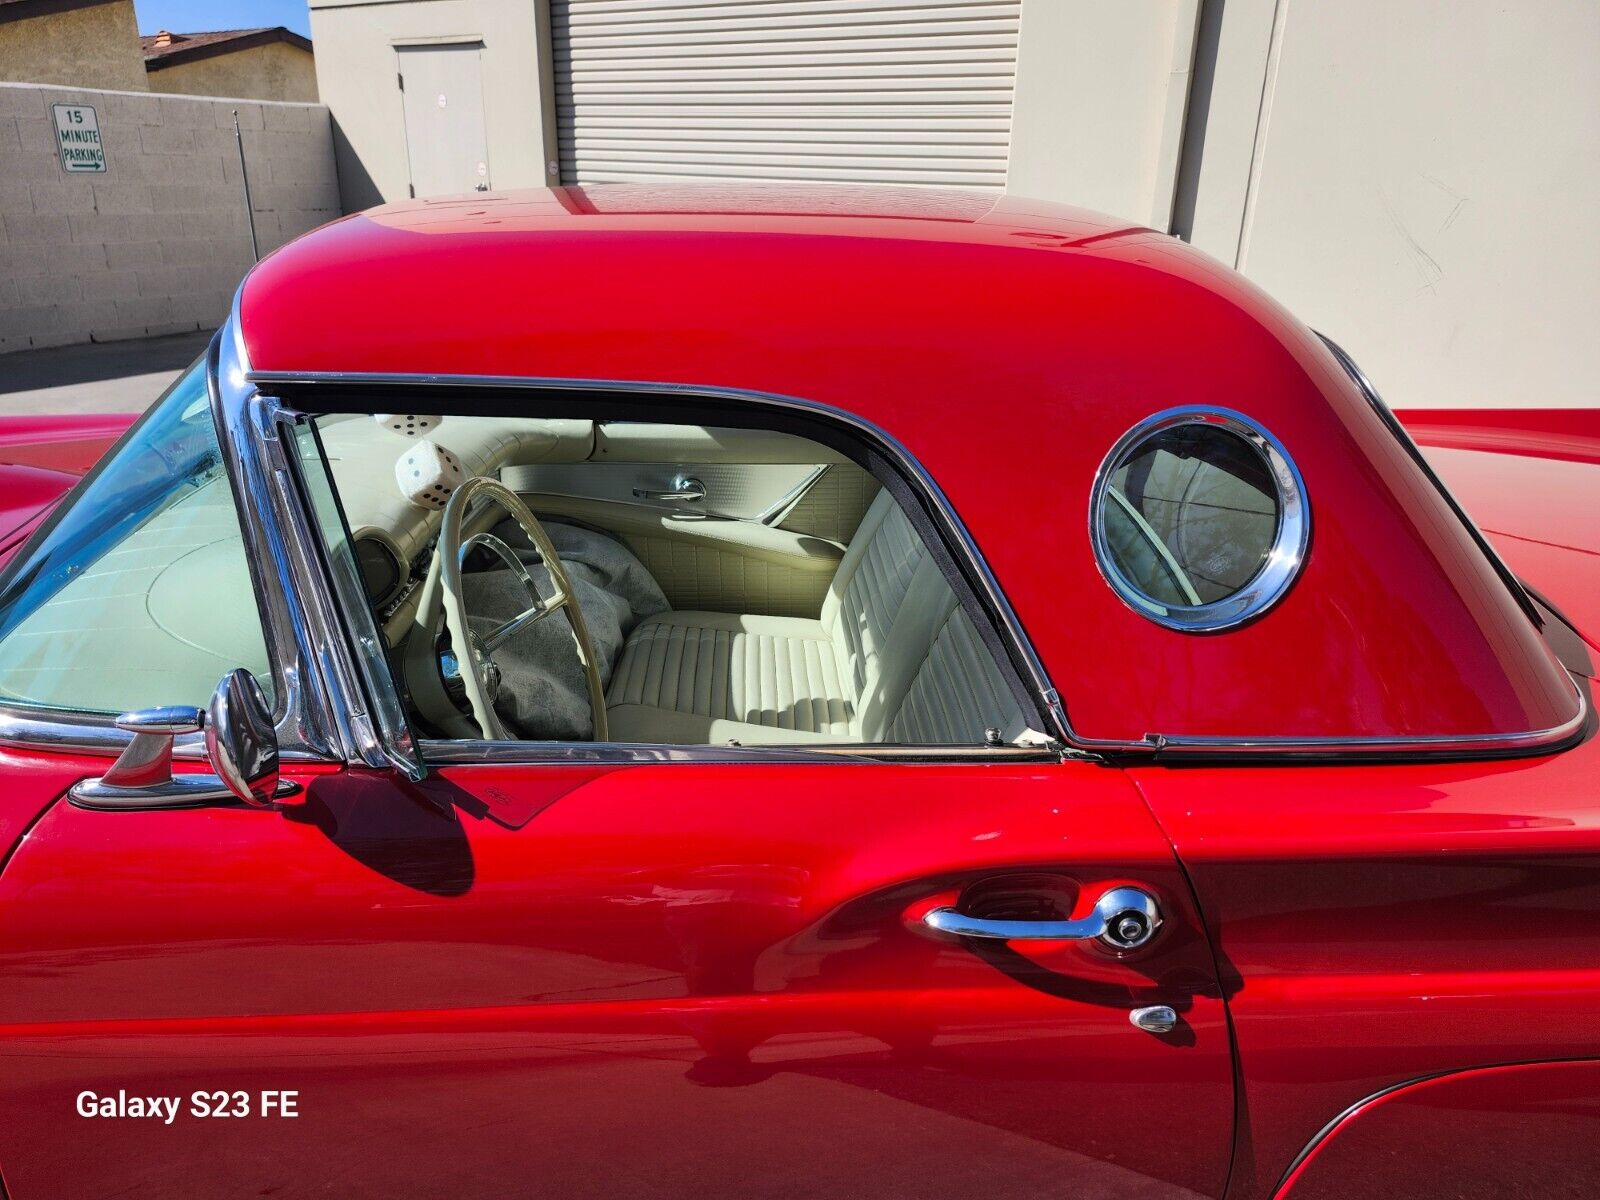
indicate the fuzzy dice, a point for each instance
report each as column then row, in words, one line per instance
column 406, row 424
column 428, row 474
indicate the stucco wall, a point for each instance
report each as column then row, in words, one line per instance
column 1413, row 180
column 277, row 71
column 159, row 242
column 95, row 47
column 1101, row 90
column 357, row 72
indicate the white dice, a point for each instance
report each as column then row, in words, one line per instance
column 428, row 474
column 406, row 424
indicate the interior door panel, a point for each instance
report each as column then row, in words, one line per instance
column 645, row 442
column 711, row 564
column 666, row 980
column 832, row 507
column 764, row 533
column 744, row 491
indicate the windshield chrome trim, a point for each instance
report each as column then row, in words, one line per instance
column 305, row 716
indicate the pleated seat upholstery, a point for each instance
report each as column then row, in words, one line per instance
column 893, row 657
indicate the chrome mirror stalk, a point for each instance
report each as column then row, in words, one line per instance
column 245, row 760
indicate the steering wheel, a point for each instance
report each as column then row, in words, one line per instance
column 479, row 674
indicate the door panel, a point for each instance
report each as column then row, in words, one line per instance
column 669, row 980
column 1380, row 924
column 442, row 96
column 712, row 564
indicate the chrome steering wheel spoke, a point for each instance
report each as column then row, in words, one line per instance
column 541, row 607
column 480, row 676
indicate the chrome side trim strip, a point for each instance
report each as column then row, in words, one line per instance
column 93, row 733
column 1556, row 737
column 440, row 751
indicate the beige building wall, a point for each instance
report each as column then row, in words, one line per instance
column 357, row 71
column 277, row 71
column 1101, row 91
column 95, row 46
column 1414, row 181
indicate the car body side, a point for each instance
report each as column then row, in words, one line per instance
column 1386, row 933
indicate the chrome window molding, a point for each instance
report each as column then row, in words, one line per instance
column 480, row 752
column 381, row 734
column 1152, row 745
column 322, row 711
column 1042, row 695
column 1285, row 558
column 1482, row 745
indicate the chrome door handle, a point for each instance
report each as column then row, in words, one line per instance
column 684, row 488
column 1124, row 918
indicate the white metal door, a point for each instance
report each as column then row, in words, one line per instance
column 880, row 91
column 442, row 92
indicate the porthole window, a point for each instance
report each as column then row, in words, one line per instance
column 1199, row 519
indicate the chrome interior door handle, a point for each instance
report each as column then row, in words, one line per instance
column 1124, row 918
column 685, row 488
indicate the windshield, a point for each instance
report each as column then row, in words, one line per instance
column 137, row 592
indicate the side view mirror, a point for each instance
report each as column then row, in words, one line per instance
column 240, row 741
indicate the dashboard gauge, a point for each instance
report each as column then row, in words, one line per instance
column 380, row 569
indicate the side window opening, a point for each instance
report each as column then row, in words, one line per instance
column 736, row 586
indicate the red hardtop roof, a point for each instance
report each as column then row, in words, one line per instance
column 1007, row 344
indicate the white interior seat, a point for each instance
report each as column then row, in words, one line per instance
column 774, row 672
column 893, row 658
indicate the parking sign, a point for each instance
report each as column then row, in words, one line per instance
column 78, row 138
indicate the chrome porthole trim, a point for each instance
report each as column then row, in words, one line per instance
column 1285, row 557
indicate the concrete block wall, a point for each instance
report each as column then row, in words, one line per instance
column 158, row 243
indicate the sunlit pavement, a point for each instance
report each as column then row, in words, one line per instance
column 95, row 377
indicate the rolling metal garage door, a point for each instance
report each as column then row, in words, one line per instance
column 852, row 91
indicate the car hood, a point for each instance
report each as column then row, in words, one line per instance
column 41, row 457
column 1531, row 481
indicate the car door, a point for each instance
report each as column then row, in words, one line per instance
column 683, row 978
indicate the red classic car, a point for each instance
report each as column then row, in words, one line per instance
column 738, row 693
